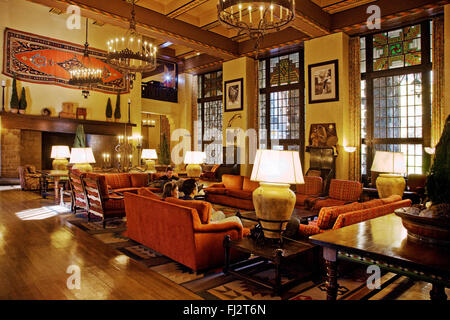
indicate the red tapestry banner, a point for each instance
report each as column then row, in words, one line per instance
column 39, row 59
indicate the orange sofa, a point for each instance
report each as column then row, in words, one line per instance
column 126, row 182
column 179, row 230
column 331, row 218
column 233, row 191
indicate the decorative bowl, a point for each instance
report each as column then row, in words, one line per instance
column 424, row 229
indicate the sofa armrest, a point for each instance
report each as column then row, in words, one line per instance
column 215, row 185
column 219, row 227
column 306, row 230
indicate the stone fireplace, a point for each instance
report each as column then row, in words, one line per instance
column 28, row 139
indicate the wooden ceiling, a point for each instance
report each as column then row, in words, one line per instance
column 189, row 33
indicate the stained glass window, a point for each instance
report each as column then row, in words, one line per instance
column 281, row 103
column 397, row 49
column 210, row 116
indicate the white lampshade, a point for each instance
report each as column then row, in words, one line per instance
column 149, row 154
column 389, row 162
column 194, row 157
column 60, row 152
column 82, row 155
column 274, row 166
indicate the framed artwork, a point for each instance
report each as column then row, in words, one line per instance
column 323, row 135
column 234, row 95
column 323, row 82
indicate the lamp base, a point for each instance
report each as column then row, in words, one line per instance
column 274, row 202
column 60, row 164
column 193, row 170
column 150, row 165
column 390, row 184
column 84, row 167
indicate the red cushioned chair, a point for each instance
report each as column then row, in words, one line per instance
column 312, row 187
column 341, row 192
column 99, row 202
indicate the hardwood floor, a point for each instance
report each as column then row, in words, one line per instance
column 35, row 254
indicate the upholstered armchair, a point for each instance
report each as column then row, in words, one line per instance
column 312, row 188
column 341, row 192
column 29, row 178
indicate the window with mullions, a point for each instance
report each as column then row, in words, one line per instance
column 210, row 116
column 281, row 103
column 396, row 95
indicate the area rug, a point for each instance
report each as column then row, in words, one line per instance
column 215, row 285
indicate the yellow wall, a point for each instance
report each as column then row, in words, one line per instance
column 235, row 69
column 34, row 18
column 331, row 47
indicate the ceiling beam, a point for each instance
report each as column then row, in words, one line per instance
column 356, row 18
column 201, row 63
column 153, row 24
column 311, row 19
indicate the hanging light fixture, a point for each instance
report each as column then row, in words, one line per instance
column 132, row 53
column 256, row 18
column 83, row 75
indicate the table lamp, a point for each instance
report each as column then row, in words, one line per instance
column 149, row 156
column 392, row 165
column 81, row 158
column 193, row 159
column 274, row 201
column 60, row 155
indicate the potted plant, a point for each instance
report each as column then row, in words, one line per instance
column 164, row 152
column 14, row 105
column 430, row 223
column 23, row 102
column 117, row 114
column 109, row 112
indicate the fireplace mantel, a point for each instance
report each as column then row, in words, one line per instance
column 63, row 125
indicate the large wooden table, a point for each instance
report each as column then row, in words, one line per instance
column 56, row 176
column 384, row 242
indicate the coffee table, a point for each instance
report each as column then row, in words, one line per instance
column 280, row 257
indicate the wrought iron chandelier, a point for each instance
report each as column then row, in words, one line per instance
column 84, row 76
column 132, row 53
column 256, row 18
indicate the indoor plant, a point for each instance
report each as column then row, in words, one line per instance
column 23, row 102
column 14, row 97
column 117, row 114
column 109, row 112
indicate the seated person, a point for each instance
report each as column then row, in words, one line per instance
column 170, row 189
column 169, row 175
column 189, row 189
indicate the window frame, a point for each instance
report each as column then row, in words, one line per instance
column 268, row 90
column 425, row 69
column 202, row 100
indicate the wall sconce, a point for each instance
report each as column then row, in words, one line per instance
column 430, row 150
column 350, row 149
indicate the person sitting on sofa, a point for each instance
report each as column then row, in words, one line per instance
column 169, row 175
column 170, row 189
column 190, row 190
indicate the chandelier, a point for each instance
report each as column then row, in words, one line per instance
column 256, row 17
column 83, row 75
column 132, row 53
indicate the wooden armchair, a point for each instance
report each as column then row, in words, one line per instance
column 99, row 202
column 77, row 191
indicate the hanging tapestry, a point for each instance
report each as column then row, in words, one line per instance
column 43, row 60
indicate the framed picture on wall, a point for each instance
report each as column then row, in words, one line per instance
column 323, row 82
column 234, row 95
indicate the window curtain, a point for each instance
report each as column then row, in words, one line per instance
column 437, row 109
column 256, row 97
column 354, row 138
column 194, row 98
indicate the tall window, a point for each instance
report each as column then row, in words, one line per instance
column 282, row 102
column 210, row 116
column 396, row 95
